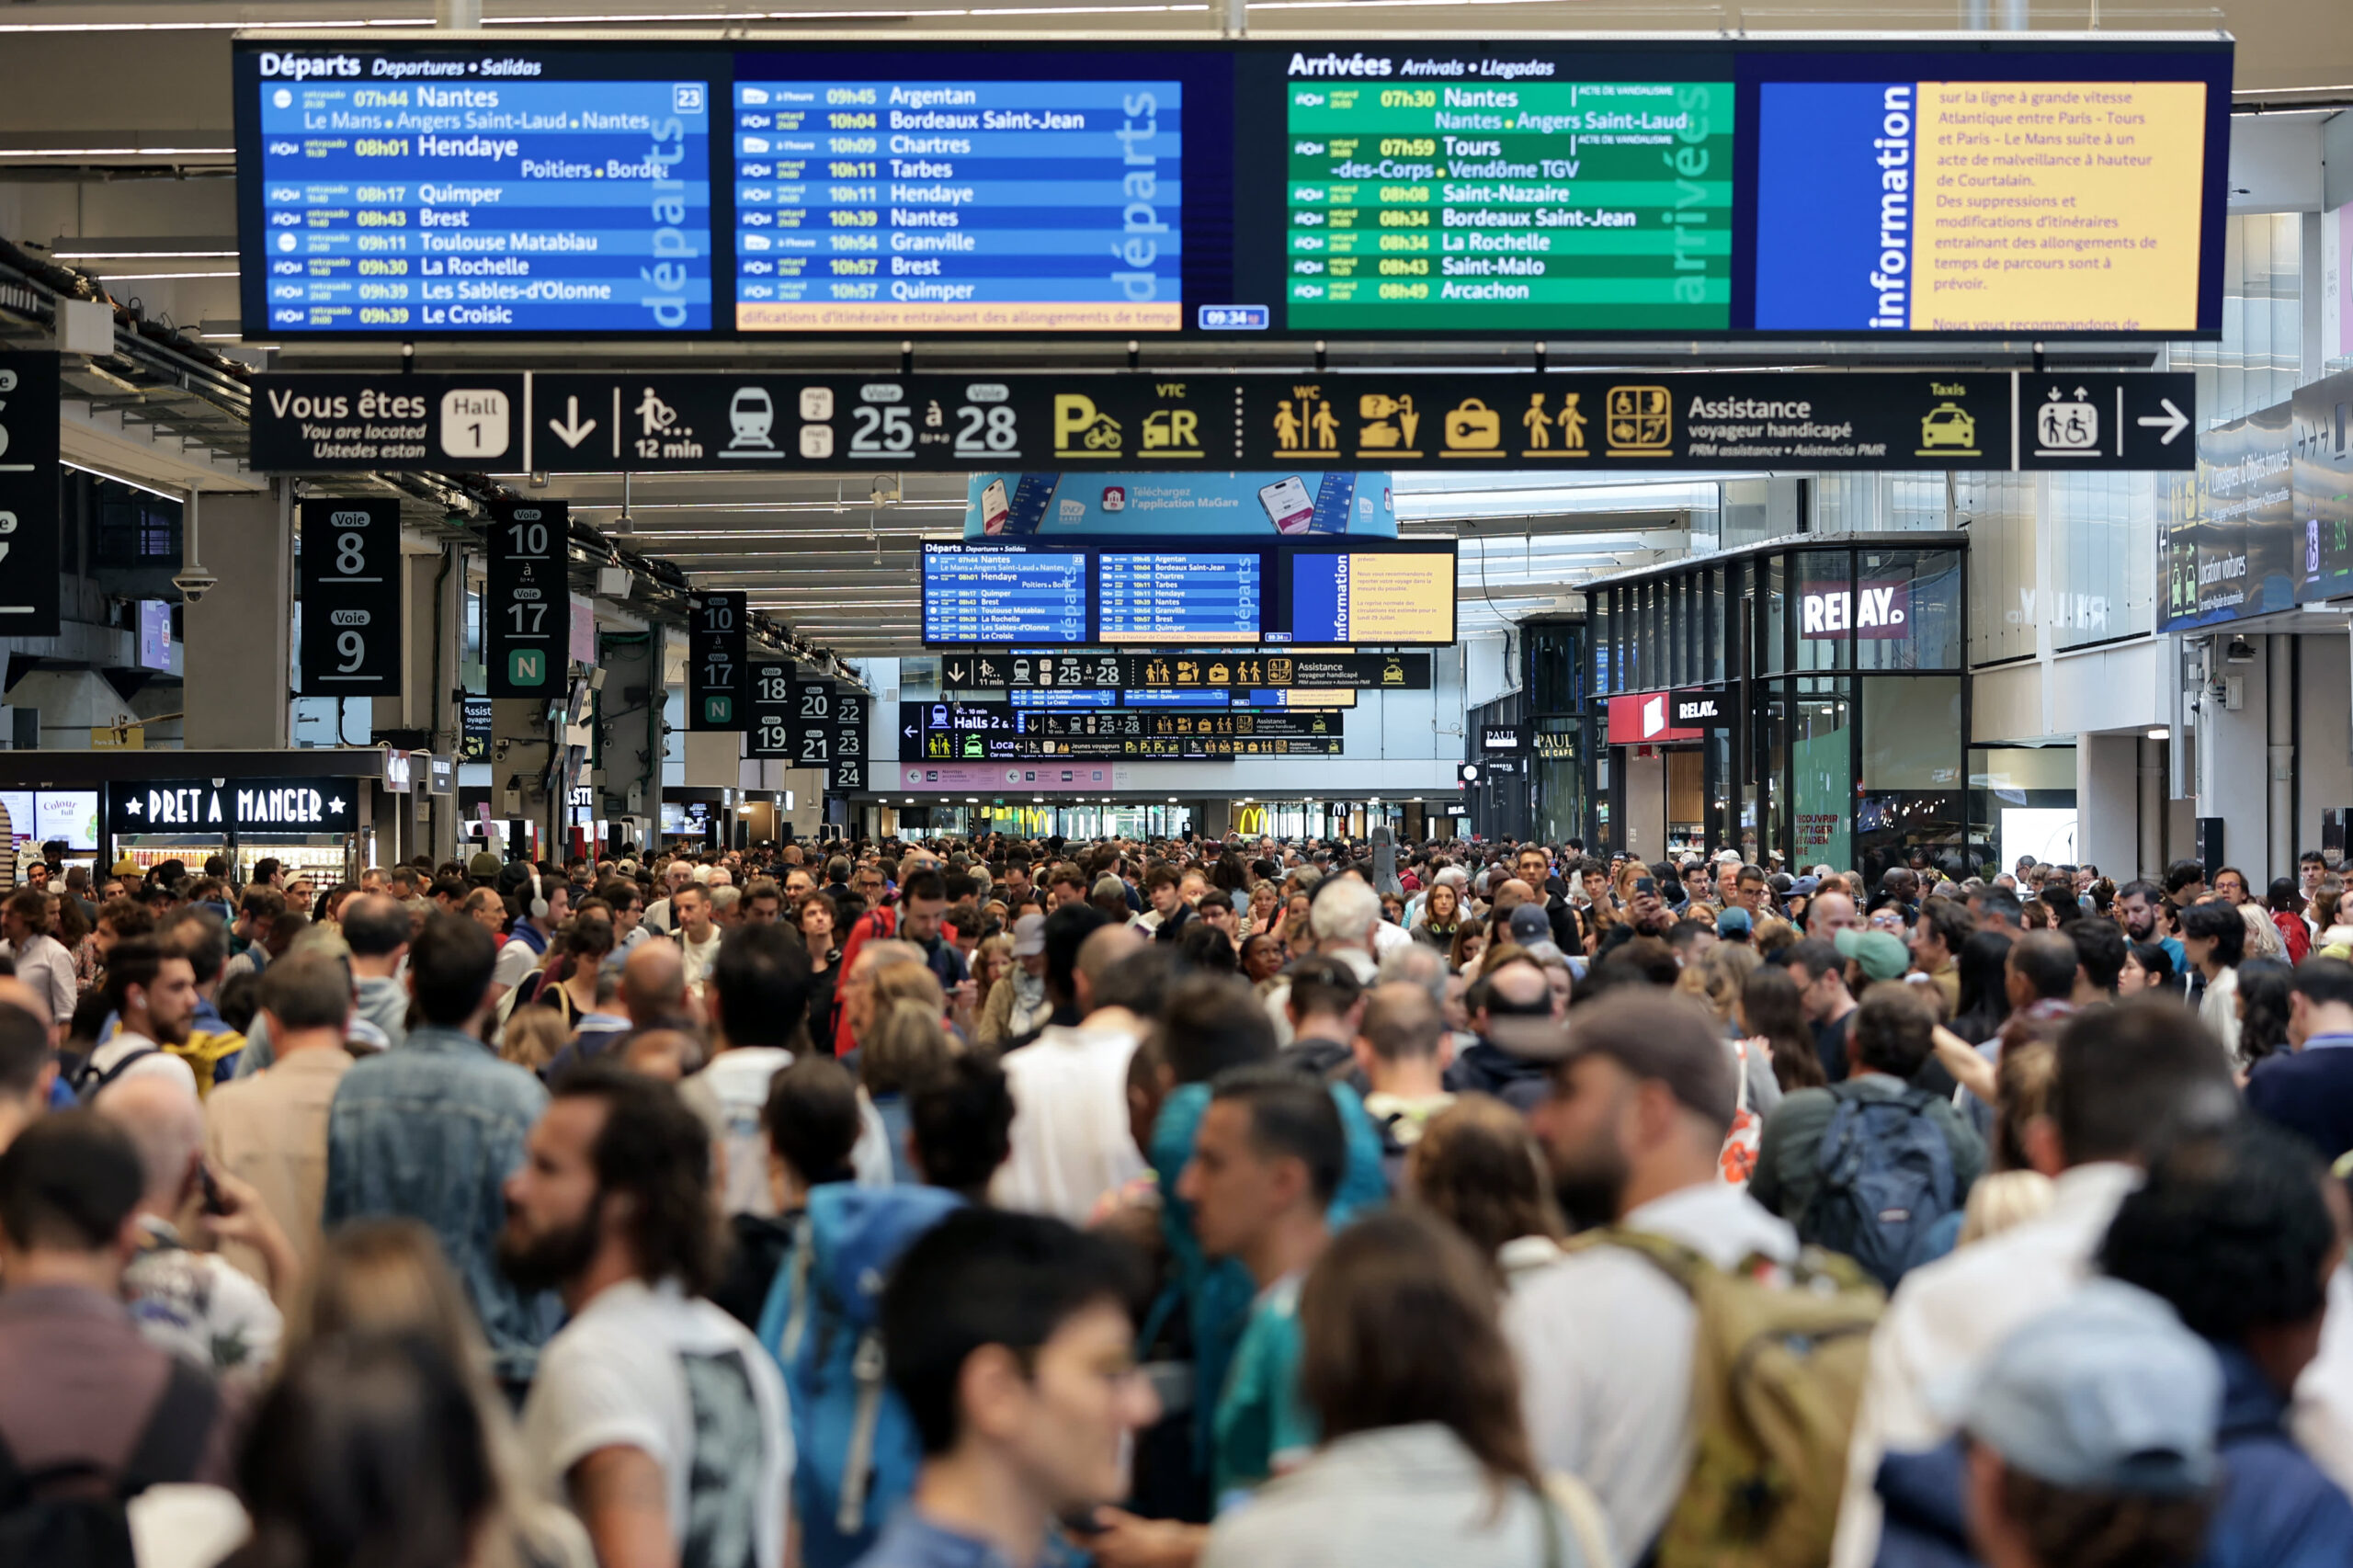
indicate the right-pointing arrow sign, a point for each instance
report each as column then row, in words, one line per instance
column 2173, row 421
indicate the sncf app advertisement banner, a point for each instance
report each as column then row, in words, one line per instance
column 1180, row 504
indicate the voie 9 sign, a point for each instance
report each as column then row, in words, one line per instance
column 1872, row 609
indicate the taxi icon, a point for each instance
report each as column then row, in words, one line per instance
column 1948, row 425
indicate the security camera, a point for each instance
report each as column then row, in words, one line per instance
column 195, row 583
column 2240, row 651
column 885, row 490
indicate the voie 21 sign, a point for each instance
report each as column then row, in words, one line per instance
column 270, row 806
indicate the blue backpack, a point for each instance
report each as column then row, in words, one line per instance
column 856, row 1447
column 1885, row 1182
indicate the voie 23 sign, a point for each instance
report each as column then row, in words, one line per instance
column 196, row 805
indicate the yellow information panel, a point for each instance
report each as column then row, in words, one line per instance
column 2057, row 206
column 1400, row 598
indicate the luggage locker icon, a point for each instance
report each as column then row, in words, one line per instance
column 1472, row 426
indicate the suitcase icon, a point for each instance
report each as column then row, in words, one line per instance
column 1473, row 427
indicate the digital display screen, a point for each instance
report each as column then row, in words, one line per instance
column 423, row 193
column 1357, row 597
column 1175, row 598
column 1674, row 186
column 1229, row 593
column 1553, row 205
column 950, row 204
column 984, row 594
column 44, row 816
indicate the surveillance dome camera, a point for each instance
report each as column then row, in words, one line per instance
column 195, row 583
column 2240, row 651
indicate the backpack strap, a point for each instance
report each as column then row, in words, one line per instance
column 1678, row 1262
column 177, row 1430
column 857, row 1462
column 89, row 1084
column 796, row 1322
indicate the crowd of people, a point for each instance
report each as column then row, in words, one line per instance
column 994, row 1203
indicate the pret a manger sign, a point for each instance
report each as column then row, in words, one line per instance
column 290, row 805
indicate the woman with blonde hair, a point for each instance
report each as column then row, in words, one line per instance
column 1716, row 977
column 388, row 1276
column 904, row 1045
column 532, row 1036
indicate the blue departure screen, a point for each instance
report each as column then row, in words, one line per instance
column 980, row 595
column 437, row 200
column 1175, row 598
column 957, row 206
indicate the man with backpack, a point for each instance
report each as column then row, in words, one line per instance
column 83, row 1398
column 1871, row 1168
column 151, row 993
column 1612, row 1338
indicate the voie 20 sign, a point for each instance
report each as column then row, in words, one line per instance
column 1872, row 609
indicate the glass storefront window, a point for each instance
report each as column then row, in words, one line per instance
column 1821, row 772
column 1604, row 628
column 1912, row 733
column 1822, row 587
column 2022, row 802
column 1771, row 615
column 1907, row 610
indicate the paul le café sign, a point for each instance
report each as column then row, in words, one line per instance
column 201, row 805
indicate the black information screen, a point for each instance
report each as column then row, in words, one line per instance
column 1542, row 187
column 351, row 597
column 716, row 661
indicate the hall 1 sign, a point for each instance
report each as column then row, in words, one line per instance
column 199, row 805
column 1709, row 708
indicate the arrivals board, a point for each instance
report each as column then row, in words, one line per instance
column 1007, row 593
column 1672, row 186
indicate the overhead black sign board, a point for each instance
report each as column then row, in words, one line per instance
column 846, row 773
column 1187, row 671
column 768, row 729
column 527, row 621
column 29, row 514
column 351, row 597
column 352, row 421
column 1707, row 708
column 1379, row 420
column 973, row 731
column 716, row 661
column 209, row 806
column 813, row 723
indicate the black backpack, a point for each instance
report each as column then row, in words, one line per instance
column 73, row 1516
column 1886, row 1179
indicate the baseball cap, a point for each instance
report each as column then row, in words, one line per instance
column 1728, row 858
column 1528, row 924
column 1029, row 935
column 1803, row 885
column 484, row 867
column 1653, row 1034
column 1881, row 954
column 1731, row 920
column 2107, row 1392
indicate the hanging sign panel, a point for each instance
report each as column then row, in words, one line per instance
column 31, row 516
column 1674, row 186
column 716, row 661
column 526, row 617
column 768, row 728
column 1283, row 426
column 351, row 597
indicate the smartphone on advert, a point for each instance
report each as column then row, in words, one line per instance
column 994, row 508
column 1288, row 505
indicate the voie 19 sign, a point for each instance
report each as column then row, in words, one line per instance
column 1874, row 609
column 201, row 805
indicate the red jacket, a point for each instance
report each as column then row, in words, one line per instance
column 875, row 925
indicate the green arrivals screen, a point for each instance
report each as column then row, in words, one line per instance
column 1517, row 205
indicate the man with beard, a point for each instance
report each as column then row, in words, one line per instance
column 429, row 1132
column 656, row 1416
column 1642, row 1098
column 151, row 993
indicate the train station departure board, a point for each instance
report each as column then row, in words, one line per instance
column 419, row 186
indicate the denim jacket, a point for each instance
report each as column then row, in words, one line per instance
column 430, row 1132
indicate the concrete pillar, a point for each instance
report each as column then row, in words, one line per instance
column 807, row 788
column 519, row 755
column 2279, row 844
column 2107, row 788
column 238, row 658
column 2324, row 732
column 2153, row 807
column 629, row 728
column 2233, row 764
column 1645, row 797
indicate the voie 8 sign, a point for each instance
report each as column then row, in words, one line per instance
column 351, row 597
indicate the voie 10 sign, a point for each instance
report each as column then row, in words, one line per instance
column 1671, row 186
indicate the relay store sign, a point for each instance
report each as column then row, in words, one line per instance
column 1709, row 708
column 1874, row 610
column 1647, row 719
column 198, row 805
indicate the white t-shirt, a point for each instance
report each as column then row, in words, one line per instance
column 156, row 1063
column 1070, row 1139
column 517, row 959
column 728, row 1096
column 643, row 1367
column 700, row 956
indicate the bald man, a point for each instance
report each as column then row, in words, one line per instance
column 193, row 1303
column 1830, row 913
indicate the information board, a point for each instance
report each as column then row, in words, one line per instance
column 768, row 727
column 966, row 732
column 991, row 593
column 31, row 521
column 1178, row 596
column 1189, row 670
column 717, row 662
column 351, row 597
column 526, row 617
column 1671, row 186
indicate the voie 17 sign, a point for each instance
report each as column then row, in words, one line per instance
column 526, row 626
column 716, row 643
column 351, row 597
column 207, row 806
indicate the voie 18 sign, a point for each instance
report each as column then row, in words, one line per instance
column 264, row 805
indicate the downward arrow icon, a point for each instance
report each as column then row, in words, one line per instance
column 573, row 430
column 2172, row 420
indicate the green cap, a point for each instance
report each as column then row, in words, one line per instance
column 1881, row 954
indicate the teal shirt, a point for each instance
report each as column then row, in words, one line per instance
column 1259, row 1416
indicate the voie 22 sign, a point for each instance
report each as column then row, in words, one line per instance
column 1874, row 609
